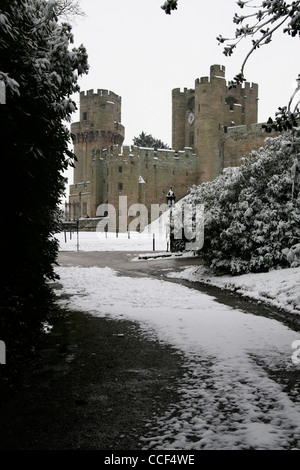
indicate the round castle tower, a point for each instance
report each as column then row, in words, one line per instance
column 99, row 128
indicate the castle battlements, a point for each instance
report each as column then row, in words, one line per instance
column 218, row 72
column 131, row 154
column 184, row 92
column 254, row 129
column 105, row 94
column 246, row 88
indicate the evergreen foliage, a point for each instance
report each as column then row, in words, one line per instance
column 147, row 140
column 40, row 73
column 252, row 213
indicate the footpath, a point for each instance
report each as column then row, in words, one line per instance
column 95, row 383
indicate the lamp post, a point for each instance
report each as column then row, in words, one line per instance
column 79, row 216
column 171, row 203
column 77, row 222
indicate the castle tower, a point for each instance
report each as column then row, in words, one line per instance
column 201, row 116
column 209, row 119
column 183, row 106
column 99, row 127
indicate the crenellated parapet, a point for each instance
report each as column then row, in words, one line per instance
column 253, row 129
column 100, row 110
column 217, row 72
column 132, row 153
column 104, row 96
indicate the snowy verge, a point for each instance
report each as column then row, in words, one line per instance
column 97, row 241
column 279, row 288
column 162, row 254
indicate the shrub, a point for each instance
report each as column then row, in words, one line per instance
column 252, row 212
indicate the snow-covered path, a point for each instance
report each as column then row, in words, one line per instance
column 228, row 398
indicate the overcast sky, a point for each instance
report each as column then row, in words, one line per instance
column 140, row 53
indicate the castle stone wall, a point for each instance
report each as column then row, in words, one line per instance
column 213, row 127
column 239, row 141
column 145, row 175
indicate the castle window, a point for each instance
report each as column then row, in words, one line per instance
column 231, row 102
column 120, row 170
column 120, row 186
column 198, row 108
column 85, row 116
column 191, row 143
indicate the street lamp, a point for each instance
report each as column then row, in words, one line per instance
column 171, row 197
column 171, row 202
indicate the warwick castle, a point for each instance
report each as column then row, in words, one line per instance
column 213, row 126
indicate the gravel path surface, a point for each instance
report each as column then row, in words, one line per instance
column 95, row 383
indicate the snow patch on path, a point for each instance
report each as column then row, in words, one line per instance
column 228, row 396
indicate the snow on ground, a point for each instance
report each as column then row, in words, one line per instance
column 228, row 400
column 280, row 288
column 99, row 241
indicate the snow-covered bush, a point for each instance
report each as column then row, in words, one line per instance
column 252, row 213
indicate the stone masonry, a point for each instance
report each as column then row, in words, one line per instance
column 213, row 126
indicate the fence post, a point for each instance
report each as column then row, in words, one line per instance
column 77, row 230
column 2, row 353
